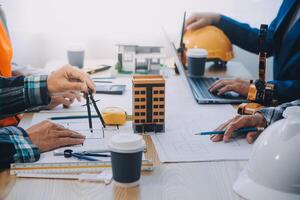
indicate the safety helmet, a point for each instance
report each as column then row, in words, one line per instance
column 273, row 170
column 213, row 40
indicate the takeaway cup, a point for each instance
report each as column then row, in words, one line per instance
column 75, row 55
column 196, row 61
column 126, row 158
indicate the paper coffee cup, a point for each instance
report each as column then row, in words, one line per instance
column 75, row 53
column 196, row 61
column 126, row 158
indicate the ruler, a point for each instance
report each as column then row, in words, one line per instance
column 105, row 176
column 68, row 167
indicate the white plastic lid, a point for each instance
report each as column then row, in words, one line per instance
column 197, row 53
column 126, row 143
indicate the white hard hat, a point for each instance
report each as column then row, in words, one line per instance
column 273, row 170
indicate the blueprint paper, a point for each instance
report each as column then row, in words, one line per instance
column 184, row 118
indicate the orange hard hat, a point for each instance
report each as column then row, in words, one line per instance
column 213, row 40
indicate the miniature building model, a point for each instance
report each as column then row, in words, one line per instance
column 139, row 59
column 148, row 93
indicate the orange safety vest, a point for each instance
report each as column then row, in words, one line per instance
column 6, row 53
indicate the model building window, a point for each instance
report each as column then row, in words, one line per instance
column 155, row 113
column 143, row 92
column 155, row 61
column 137, row 114
column 143, row 121
column 155, row 106
column 161, row 113
column 136, row 107
column 137, row 92
column 143, row 99
column 161, row 106
column 155, row 120
column 136, row 99
column 161, row 120
column 143, row 107
column 161, row 92
column 141, row 61
column 155, row 92
column 161, row 99
column 143, row 114
column 155, row 99
column 137, row 121
column 128, row 57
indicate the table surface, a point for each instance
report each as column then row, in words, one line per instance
column 197, row 180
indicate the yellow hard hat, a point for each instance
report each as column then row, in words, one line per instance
column 213, row 40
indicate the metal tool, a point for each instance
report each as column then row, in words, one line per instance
column 68, row 153
column 89, row 97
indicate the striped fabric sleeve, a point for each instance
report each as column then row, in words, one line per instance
column 22, row 93
column 35, row 91
column 273, row 114
column 16, row 146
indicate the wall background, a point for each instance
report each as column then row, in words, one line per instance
column 41, row 30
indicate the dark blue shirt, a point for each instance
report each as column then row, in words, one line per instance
column 285, row 50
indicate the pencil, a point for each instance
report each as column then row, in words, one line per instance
column 102, row 68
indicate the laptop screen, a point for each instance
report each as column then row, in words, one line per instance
column 171, row 47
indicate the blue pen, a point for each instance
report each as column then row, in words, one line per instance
column 241, row 130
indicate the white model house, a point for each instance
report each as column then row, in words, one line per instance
column 143, row 59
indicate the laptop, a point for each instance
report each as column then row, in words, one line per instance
column 200, row 85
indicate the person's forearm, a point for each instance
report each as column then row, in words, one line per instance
column 242, row 35
column 16, row 146
column 21, row 93
column 273, row 114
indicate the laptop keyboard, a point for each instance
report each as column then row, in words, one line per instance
column 202, row 84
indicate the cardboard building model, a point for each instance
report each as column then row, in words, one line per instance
column 139, row 59
column 148, row 93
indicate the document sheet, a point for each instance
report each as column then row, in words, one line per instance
column 184, row 118
column 95, row 142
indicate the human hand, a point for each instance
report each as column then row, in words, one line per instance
column 256, row 120
column 48, row 136
column 69, row 78
column 200, row 20
column 226, row 85
column 66, row 99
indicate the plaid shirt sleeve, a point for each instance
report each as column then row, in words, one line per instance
column 273, row 114
column 22, row 93
column 16, row 146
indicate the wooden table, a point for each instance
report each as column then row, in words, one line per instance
column 198, row 180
